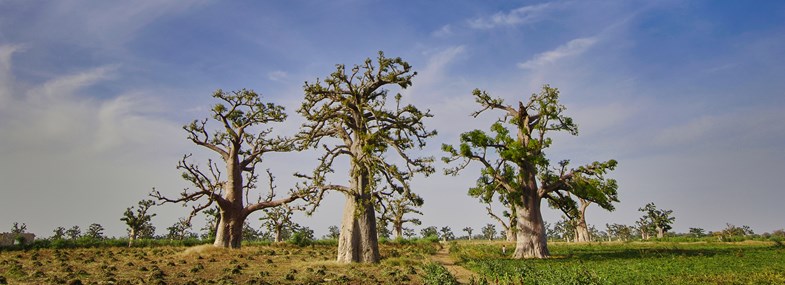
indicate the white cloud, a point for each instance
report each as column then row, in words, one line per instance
column 572, row 48
column 277, row 75
column 522, row 15
column 442, row 32
column 116, row 22
column 61, row 144
column 6, row 76
column 429, row 84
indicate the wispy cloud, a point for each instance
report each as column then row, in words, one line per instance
column 277, row 75
column 572, row 48
column 6, row 77
column 444, row 31
column 522, row 15
column 430, row 78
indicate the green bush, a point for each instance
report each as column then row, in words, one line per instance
column 436, row 274
column 301, row 239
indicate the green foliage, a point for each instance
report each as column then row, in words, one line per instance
column 631, row 263
column 429, row 232
column 436, row 274
column 95, row 231
column 302, row 237
column 489, row 231
column 515, row 167
column 654, row 218
column 139, row 222
column 350, row 106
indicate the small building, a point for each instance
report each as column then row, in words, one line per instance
column 8, row 239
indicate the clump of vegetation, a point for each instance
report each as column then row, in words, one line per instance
column 436, row 274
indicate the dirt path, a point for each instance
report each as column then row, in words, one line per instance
column 443, row 257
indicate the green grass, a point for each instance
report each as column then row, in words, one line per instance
column 631, row 263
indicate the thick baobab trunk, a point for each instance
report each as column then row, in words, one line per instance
column 358, row 242
column 230, row 230
column 582, row 232
column 531, row 242
column 230, row 227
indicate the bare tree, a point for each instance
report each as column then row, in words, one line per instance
column 392, row 210
column 521, row 169
column 278, row 220
column 350, row 107
column 138, row 221
column 241, row 140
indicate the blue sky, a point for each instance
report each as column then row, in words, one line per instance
column 686, row 95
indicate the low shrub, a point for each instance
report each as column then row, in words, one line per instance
column 435, row 274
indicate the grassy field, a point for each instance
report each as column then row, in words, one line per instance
column 751, row 262
column 253, row 264
column 748, row 262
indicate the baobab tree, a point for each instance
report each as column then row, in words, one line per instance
column 488, row 231
column 137, row 221
column 278, row 221
column 514, row 162
column 469, row 231
column 392, row 210
column 659, row 219
column 350, row 107
column 587, row 192
column 240, row 140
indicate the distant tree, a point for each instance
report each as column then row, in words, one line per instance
column 619, row 231
column 59, row 233
column 447, row 234
column 489, row 231
column 509, row 222
column 137, row 221
column 469, row 231
column 508, row 218
column 697, row 232
column 565, row 229
column 382, row 228
column 241, row 140
column 180, row 229
column 74, row 232
column 731, row 230
column 95, row 231
column 249, row 233
column 393, row 208
column 515, row 165
column 278, row 221
column 645, row 227
column 302, row 236
column 212, row 216
column 429, row 232
column 333, row 232
column 576, row 212
column 350, row 108
column 659, row 218
column 17, row 230
column 548, row 229
column 408, row 232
